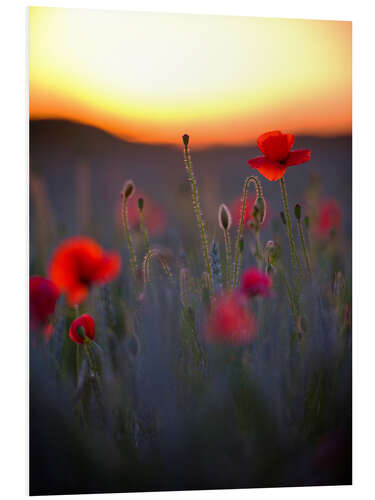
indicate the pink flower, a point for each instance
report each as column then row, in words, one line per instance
column 43, row 297
column 230, row 321
column 329, row 217
column 254, row 282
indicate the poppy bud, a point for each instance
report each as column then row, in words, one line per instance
column 241, row 245
column 141, row 203
column 272, row 252
column 185, row 139
column 282, row 215
column 128, row 189
column 260, row 205
column 297, row 211
column 225, row 218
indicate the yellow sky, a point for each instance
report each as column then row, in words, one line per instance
column 153, row 77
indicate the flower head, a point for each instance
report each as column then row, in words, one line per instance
column 329, row 218
column 230, row 321
column 43, row 295
column 87, row 325
column 254, row 282
column 79, row 263
column 276, row 148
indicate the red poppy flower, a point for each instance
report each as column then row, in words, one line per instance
column 249, row 207
column 254, row 282
column 154, row 215
column 43, row 295
column 276, row 148
column 230, row 321
column 86, row 323
column 78, row 263
column 329, row 217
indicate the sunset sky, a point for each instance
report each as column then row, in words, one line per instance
column 224, row 80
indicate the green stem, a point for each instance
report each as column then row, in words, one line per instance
column 259, row 194
column 133, row 259
column 290, row 234
column 303, row 243
column 228, row 258
column 144, row 231
column 199, row 217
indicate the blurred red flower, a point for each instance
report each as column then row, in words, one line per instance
column 85, row 322
column 230, row 321
column 43, row 295
column 329, row 217
column 254, row 282
column 276, row 148
column 236, row 208
column 79, row 263
column 155, row 216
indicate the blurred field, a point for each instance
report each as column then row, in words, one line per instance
column 269, row 414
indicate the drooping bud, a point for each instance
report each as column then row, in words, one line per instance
column 282, row 215
column 260, row 204
column 128, row 189
column 297, row 211
column 141, row 203
column 185, row 139
column 225, row 218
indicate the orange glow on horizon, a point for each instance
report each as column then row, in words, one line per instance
column 224, row 80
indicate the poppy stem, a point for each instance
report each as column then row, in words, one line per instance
column 228, row 258
column 143, row 226
column 303, row 243
column 289, row 230
column 198, row 212
column 259, row 194
column 133, row 259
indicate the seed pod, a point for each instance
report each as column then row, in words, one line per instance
column 297, row 211
column 128, row 189
column 185, row 139
column 141, row 203
column 282, row 215
column 225, row 218
column 241, row 245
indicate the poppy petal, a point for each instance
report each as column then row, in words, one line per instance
column 110, row 267
column 298, row 156
column 77, row 294
column 271, row 170
column 87, row 323
column 275, row 145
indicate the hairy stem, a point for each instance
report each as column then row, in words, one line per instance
column 133, row 259
column 289, row 230
column 198, row 214
column 303, row 243
column 259, row 194
column 228, row 258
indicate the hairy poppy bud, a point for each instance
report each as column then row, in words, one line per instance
column 141, row 203
column 282, row 215
column 297, row 211
column 260, row 205
column 185, row 139
column 225, row 218
column 128, row 189
column 272, row 252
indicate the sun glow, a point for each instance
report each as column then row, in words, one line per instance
column 152, row 77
